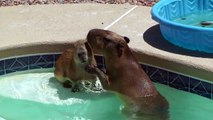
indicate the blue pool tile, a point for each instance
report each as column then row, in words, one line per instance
column 56, row 56
column 178, row 81
column 24, row 61
column 201, row 88
column 150, row 70
column 207, row 95
column 2, row 67
column 211, row 91
column 34, row 59
column 144, row 67
column 157, row 75
column 48, row 58
column 41, row 61
column 38, row 66
column 2, row 72
column 16, row 64
column 9, row 71
column 9, row 63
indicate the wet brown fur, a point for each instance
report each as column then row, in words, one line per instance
column 125, row 75
column 68, row 67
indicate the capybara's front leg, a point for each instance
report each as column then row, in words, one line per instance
column 101, row 75
column 67, row 84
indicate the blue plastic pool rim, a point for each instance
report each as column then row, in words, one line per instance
column 160, row 19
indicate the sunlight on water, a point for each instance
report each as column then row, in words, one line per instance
column 38, row 96
column 203, row 19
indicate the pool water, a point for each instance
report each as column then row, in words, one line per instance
column 36, row 95
column 196, row 19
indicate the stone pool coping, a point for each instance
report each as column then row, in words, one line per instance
column 52, row 28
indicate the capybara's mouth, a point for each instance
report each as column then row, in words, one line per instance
column 83, row 61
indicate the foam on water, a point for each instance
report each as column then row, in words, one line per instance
column 39, row 87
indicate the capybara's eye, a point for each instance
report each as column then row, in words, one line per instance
column 106, row 40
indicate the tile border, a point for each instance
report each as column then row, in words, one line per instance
column 172, row 79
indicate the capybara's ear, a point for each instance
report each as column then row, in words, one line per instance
column 126, row 39
column 119, row 49
column 89, row 49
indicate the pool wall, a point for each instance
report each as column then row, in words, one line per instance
column 186, row 36
column 172, row 79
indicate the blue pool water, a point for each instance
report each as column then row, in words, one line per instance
column 36, row 95
column 190, row 34
column 197, row 19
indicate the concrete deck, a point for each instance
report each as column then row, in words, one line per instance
column 52, row 28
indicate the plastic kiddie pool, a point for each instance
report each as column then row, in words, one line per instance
column 193, row 37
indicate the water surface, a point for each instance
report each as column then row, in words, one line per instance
column 199, row 19
column 36, row 95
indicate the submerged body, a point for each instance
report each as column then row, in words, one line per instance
column 125, row 75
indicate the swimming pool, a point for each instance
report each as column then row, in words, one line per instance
column 27, row 85
column 36, row 95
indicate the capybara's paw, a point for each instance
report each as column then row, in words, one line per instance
column 91, row 69
column 97, row 88
column 76, row 89
column 67, row 84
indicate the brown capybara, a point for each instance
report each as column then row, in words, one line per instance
column 70, row 66
column 126, row 77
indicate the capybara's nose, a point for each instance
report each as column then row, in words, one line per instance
column 83, row 60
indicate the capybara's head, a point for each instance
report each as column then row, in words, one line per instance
column 84, row 52
column 107, row 41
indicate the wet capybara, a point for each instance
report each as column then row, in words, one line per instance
column 126, row 77
column 70, row 66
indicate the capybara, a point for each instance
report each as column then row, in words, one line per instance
column 70, row 66
column 125, row 75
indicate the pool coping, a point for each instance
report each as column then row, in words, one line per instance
column 147, row 43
